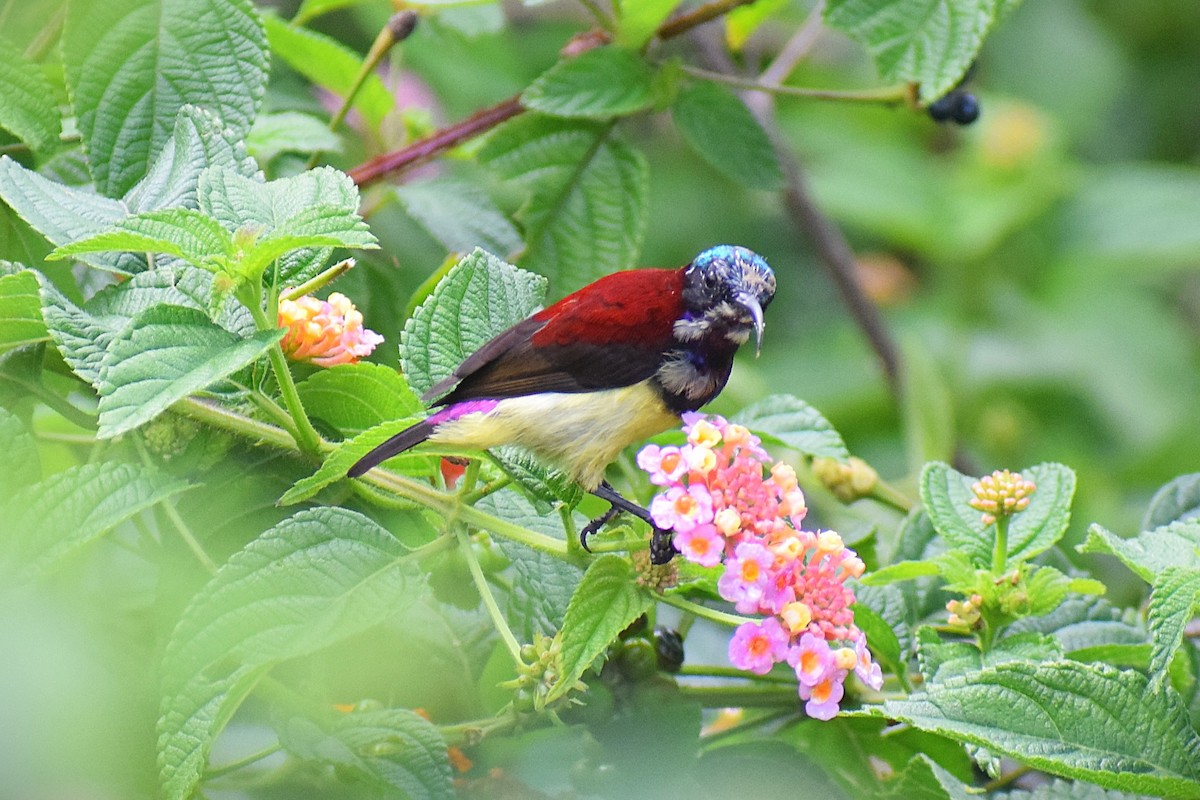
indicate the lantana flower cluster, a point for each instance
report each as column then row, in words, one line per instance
column 727, row 506
column 325, row 332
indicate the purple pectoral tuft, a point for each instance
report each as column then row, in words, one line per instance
column 451, row 413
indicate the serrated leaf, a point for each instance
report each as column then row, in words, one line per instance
column 1172, row 603
column 20, row 311
column 925, row 779
column 131, row 65
column 340, row 460
column 328, row 63
column 1177, row 501
column 163, row 355
column 945, row 492
column 355, row 397
column 290, row 132
column 606, row 601
column 546, row 487
column 1150, row 552
column 51, row 520
column 596, row 84
column 1082, row 622
column 320, row 576
column 900, row 571
column 794, row 423
column 392, row 748
column 1088, row 722
column 722, row 131
column 63, row 214
column 542, row 585
column 165, row 285
column 586, row 214
column 460, row 215
column 480, row 297
column 639, row 19
column 181, row 232
column 81, row 338
column 941, row 660
column 932, row 42
column 28, row 106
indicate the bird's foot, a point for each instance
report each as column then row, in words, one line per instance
column 662, row 547
column 595, row 525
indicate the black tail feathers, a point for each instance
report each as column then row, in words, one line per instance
column 404, row 440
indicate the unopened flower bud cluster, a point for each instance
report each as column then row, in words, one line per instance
column 726, row 507
column 1000, row 494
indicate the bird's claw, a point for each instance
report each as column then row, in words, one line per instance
column 595, row 525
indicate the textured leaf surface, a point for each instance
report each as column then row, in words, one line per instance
column 327, row 62
column 1089, row 722
column 290, row 132
column 20, row 311
column 132, row 64
column 20, row 454
column 1172, row 603
column 597, row 84
column 354, row 397
column 946, row 492
column 586, row 214
column 546, row 487
column 163, row 355
column 28, row 107
column 1177, row 501
column 606, row 601
column 318, row 577
column 1083, row 622
column 1150, row 552
column 460, row 215
column 925, row 779
column 49, row 521
column 479, row 298
column 796, row 424
column 928, row 41
column 392, row 748
column 722, row 131
column 181, row 232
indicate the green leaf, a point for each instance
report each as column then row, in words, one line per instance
column 900, row 571
column 392, row 748
column 639, row 19
column 328, row 63
column 178, row 286
column 20, row 456
column 547, row 487
column 1150, row 552
column 743, row 21
column 1177, row 501
column 309, row 9
column 20, row 311
column 163, row 355
column 942, row 660
column 479, row 298
column 28, row 105
column 596, row 84
column 1172, row 603
column 931, row 42
column 946, row 492
column 925, row 779
column 320, row 576
column 181, row 232
column 606, row 601
column 131, row 65
column 1088, row 722
column 794, row 423
column 290, row 132
column 1083, row 622
column 586, row 214
column 722, row 131
column 460, row 215
column 355, row 397
column 340, row 460
column 881, row 637
column 50, row 521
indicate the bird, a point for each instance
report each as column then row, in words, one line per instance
column 611, row 364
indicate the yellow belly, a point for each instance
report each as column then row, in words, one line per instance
column 581, row 433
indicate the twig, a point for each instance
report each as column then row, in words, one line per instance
column 701, row 15
column 889, row 95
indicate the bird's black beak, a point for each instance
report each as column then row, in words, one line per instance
column 751, row 304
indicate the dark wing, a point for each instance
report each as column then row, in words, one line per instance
column 609, row 334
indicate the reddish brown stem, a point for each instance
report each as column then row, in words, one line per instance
column 438, row 142
column 699, row 16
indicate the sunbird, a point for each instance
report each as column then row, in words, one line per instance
column 606, row 366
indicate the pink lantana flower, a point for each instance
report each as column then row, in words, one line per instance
column 756, row 647
column 682, row 508
column 325, row 332
column 747, row 577
column 823, row 697
column 813, row 660
column 701, row 545
column 666, row 465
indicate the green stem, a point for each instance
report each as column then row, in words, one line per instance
column 268, row 406
column 884, row 493
column 307, row 437
column 489, row 600
column 888, row 95
column 623, row 546
column 472, row 497
column 720, row 617
column 706, row 671
column 1000, row 551
column 211, row 413
column 59, row 405
column 181, row 527
column 318, row 281
column 741, row 696
column 244, row 761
